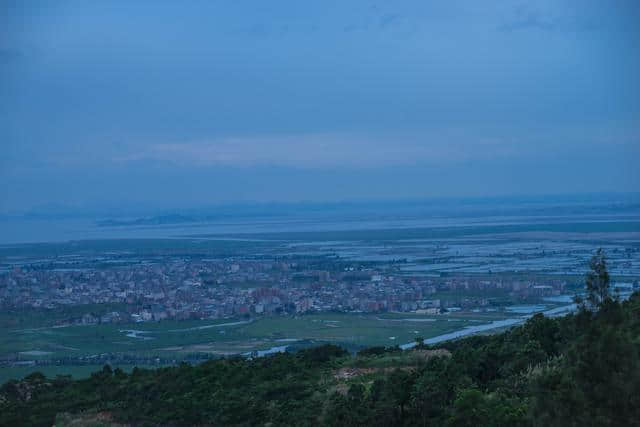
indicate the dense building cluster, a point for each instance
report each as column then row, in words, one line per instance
column 215, row 288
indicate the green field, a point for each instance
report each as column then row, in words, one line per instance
column 230, row 335
column 177, row 339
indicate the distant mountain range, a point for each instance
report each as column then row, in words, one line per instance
column 154, row 220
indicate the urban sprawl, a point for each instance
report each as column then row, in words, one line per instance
column 219, row 288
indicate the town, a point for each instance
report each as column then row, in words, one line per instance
column 218, row 288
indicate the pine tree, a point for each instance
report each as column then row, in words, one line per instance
column 597, row 281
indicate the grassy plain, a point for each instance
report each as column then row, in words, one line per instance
column 224, row 336
column 177, row 339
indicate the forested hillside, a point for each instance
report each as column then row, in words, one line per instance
column 582, row 369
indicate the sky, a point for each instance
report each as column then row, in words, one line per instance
column 165, row 103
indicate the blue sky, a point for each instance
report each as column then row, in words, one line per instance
column 201, row 102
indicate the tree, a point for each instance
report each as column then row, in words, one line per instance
column 597, row 281
column 474, row 408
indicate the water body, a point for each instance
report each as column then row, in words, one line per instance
column 35, row 353
column 198, row 328
column 526, row 309
column 262, row 353
column 397, row 215
column 29, row 230
column 134, row 333
column 496, row 324
column 560, row 298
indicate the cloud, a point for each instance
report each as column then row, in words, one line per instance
column 551, row 18
column 313, row 151
column 357, row 150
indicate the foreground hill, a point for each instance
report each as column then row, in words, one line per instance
column 583, row 369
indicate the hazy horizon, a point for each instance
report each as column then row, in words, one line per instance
column 449, row 205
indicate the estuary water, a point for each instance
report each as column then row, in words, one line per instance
column 24, row 229
column 496, row 324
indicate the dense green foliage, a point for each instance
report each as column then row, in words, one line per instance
column 583, row 369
